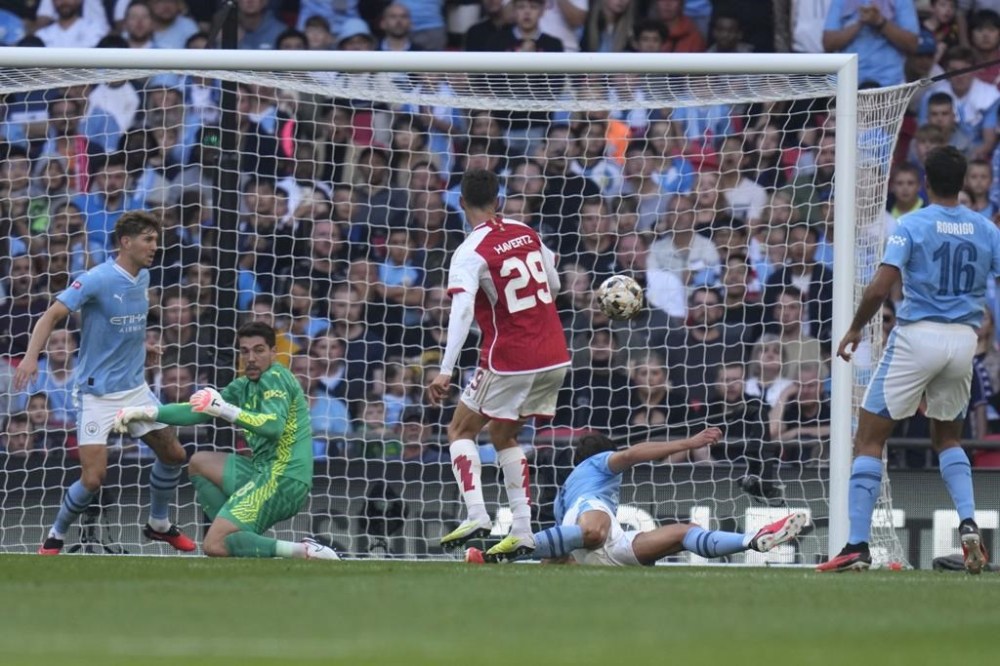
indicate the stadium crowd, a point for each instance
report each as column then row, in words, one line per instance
column 349, row 209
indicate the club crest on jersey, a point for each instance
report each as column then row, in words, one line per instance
column 76, row 285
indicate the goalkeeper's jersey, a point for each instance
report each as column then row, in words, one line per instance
column 275, row 397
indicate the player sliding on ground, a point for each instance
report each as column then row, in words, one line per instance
column 587, row 527
column 504, row 277
column 944, row 253
column 113, row 306
column 244, row 497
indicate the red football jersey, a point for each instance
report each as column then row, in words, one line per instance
column 514, row 279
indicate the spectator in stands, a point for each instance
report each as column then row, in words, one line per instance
column 642, row 180
column 15, row 173
column 695, row 351
column 17, row 441
column 664, row 290
column 595, row 241
column 683, row 34
column 802, row 415
column 177, row 384
column 710, row 201
column 905, row 190
column 943, row 24
column 812, row 278
column 21, row 309
column 881, row 33
column 648, row 36
column 183, row 342
column 6, row 389
column 745, row 197
column 328, row 414
column 654, row 403
column 596, row 396
column 766, row 370
column 984, row 38
column 55, row 373
column 291, row 39
column 490, row 28
column 608, row 26
column 680, row 250
column 112, row 107
column 797, row 346
column 976, row 101
column 45, row 433
column 396, row 24
column 727, row 34
column 415, row 436
column 171, row 27
column 436, row 232
column 264, row 309
column 364, row 351
column 978, row 179
column 318, row 34
column 139, row 26
column 380, row 206
column 374, row 437
column 525, row 35
column 744, row 421
column 327, row 262
column 11, row 32
column 71, row 28
column 941, row 114
column 565, row 188
column 48, row 190
column 355, row 35
column 741, row 307
column 306, row 322
column 766, row 160
column 66, row 141
column 983, row 391
column 259, row 28
column 926, row 139
column 333, row 377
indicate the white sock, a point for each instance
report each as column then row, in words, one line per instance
column 290, row 549
column 468, row 470
column 515, row 479
column 56, row 535
column 159, row 524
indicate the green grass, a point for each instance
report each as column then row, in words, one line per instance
column 193, row 611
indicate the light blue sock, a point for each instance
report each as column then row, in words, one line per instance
column 714, row 543
column 866, row 484
column 957, row 474
column 162, row 489
column 557, row 541
column 75, row 501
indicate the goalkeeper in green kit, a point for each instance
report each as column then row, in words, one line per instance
column 243, row 496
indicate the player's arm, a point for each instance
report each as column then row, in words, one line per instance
column 649, row 451
column 269, row 422
column 463, row 283
column 27, row 370
column 549, row 262
column 175, row 414
column 874, row 296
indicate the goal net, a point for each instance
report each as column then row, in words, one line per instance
column 334, row 214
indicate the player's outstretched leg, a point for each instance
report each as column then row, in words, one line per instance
column 863, row 494
column 76, row 499
column 956, row 472
column 468, row 470
column 163, row 480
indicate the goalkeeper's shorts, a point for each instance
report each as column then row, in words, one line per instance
column 259, row 499
column 96, row 414
column 924, row 360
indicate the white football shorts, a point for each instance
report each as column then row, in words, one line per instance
column 617, row 549
column 96, row 414
column 924, row 359
column 514, row 397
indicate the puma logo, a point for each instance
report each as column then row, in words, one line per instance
column 120, row 298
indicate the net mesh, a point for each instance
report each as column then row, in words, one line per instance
column 714, row 192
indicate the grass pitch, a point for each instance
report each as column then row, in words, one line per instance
column 194, row 611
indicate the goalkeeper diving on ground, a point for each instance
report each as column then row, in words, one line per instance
column 244, row 497
column 587, row 529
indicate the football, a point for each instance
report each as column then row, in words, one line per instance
column 620, row 297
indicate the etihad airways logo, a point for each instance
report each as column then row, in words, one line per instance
column 128, row 320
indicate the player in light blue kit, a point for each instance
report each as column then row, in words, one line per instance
column 113, row 303
column 587, row 528
column 945, row 254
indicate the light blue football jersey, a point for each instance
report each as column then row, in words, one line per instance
column 592, row 479
column 946, row 256
column 113, row 307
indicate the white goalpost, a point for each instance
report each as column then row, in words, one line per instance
column 315, row 241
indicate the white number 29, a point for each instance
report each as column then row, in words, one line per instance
column 527, row 270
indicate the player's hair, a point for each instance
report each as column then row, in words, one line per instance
column 590, row 445
column 134, row 223
column 255, row 329
column 480, row 188
column 946, row 167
